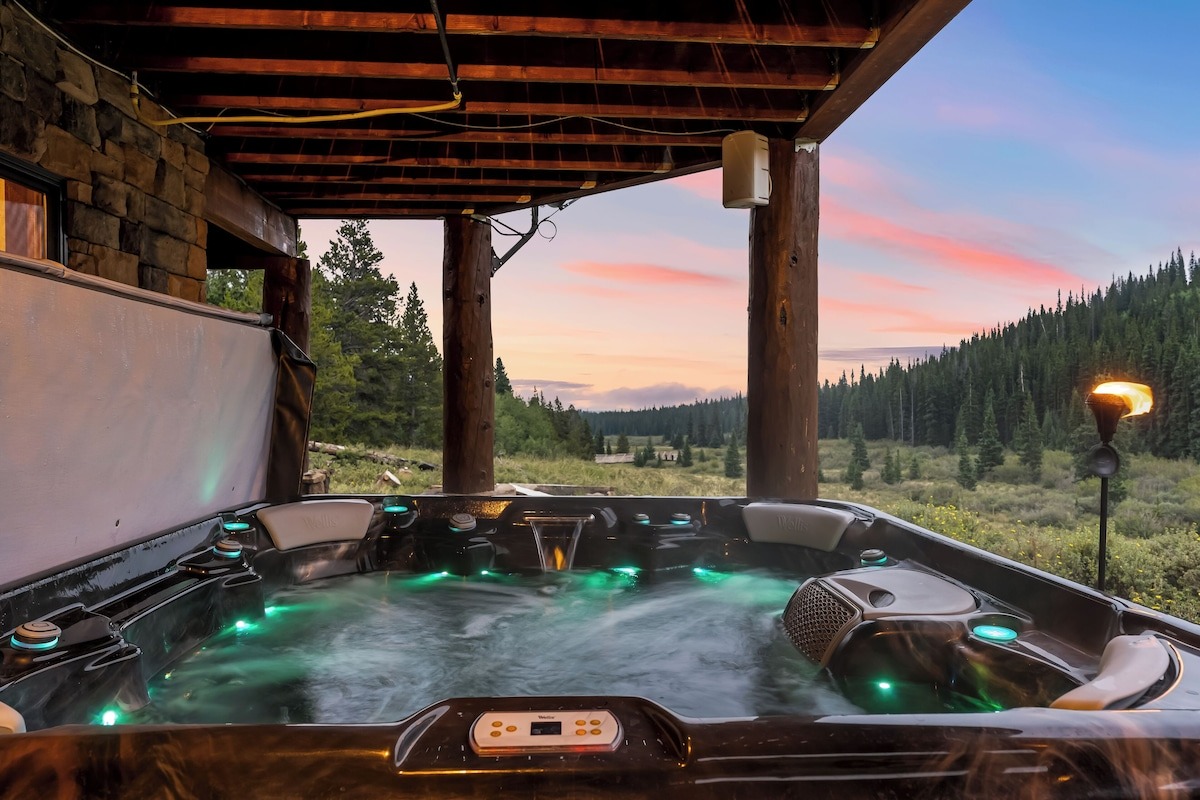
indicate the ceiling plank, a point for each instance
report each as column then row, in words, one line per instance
column 327, row 105
column 740, row 32
column 269, row 182
column 813, row 79
column 617, row 138
column 447, row 162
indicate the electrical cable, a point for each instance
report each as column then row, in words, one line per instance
column 449, row 105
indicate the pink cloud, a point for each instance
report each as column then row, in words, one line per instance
column 644, row 274
column 878, row 318
column 958, row 255
column 883, row 283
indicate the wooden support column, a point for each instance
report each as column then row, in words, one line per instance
column 781, row 432
column 469, row 398
column 287, row 295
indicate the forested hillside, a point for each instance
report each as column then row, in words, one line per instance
column 705, row 423
column 1142, row 328
column 1025, row 379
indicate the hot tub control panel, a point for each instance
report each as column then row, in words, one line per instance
column 502, row 733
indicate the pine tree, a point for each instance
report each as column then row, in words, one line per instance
column 733, row 460
column 607, row 449
column 966, row 469
column 891, row 467
column 854, row 474
column 858, row 452
column 991, row 451
column 1031, row 442
column 685, row 455
column 503, row 384
column 622, row 444
column 649, row 454
column 419, row 391
column 914, row 469
column 599, row 443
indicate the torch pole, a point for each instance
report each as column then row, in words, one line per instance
column 1103, row 556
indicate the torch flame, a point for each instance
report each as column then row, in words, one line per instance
column 1137, row 396
column 560, row 559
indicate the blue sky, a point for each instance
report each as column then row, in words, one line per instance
column 1030, row 148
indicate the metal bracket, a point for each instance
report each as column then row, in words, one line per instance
column 500, row 261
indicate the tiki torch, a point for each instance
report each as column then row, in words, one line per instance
column 1111, row 402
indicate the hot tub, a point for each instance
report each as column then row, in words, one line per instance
column 449, row 646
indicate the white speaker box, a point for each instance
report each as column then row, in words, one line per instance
column 746, row 177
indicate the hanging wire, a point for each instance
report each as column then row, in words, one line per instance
column 449, row 105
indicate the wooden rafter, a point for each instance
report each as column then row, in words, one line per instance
column 329, row 105
column 850, row 35
column 588, row 97
column 817, row 78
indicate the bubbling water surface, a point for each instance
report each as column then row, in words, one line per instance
column 378, row 647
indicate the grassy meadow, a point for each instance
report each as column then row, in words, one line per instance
column 1154, row 540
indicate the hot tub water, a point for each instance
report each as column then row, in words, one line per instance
column 378, row 647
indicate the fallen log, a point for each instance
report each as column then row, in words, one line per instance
column 369, row 455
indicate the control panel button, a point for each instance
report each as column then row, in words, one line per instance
column 522, row 732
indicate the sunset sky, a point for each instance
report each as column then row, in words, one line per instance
column 1034, row 146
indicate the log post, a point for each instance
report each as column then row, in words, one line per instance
column 469, row 398
column 781, row 430
column 287, row 296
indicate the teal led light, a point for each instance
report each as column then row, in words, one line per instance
column 681, row 522
column 109, row 717
column 241, row 625
column 994, row 633
column 19, row 645
column 269, row 610
column 442, row 574
column 484, row 572
column 233, row 527
column 884, row 686
column 396, row 509
column 699, row 571
column 632, row 571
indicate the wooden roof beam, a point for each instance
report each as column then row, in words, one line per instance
column 267, row 181
column 851, row 35
column 812, row 79
column 616, row 138
column 448, row 162
column 729, row 110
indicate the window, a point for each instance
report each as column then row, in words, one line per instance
column 29, row 211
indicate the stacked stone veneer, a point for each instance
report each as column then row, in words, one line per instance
column 134, row 193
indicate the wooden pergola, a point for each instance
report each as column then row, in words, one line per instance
column 558, row 101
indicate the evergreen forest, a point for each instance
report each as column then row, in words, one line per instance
column 1021, row 385
column 379, row 372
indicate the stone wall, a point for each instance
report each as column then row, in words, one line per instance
column 134, row 193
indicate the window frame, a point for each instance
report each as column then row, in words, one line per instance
column 51, row 186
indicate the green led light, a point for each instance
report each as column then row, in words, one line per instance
column 699, row 571
column 269, row 610
column 236, row 526
column 443, row 574
column 396, row 509
column 994, row 633
column 166, row 676
column 632, row 571
column 108, row 717
column 484, row 572
column 884, row 686
column 241, row 625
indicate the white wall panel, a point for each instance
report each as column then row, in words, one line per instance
column 120, row 418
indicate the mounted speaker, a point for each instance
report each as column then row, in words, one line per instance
column 746, row 179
